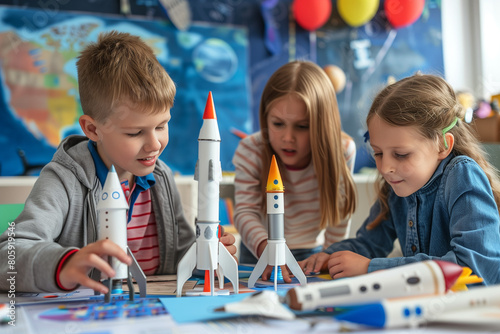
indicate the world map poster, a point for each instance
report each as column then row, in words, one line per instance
column 39, row 100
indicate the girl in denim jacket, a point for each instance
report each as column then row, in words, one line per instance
column 437, row 193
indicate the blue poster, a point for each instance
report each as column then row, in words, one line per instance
column 39, row 100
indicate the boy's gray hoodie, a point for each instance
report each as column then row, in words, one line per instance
column 60, row 214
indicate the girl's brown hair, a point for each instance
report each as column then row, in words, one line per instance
column 310, row 83
column 428, row 103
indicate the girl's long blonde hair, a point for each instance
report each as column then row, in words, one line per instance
column 428, row 103
column 310, row 83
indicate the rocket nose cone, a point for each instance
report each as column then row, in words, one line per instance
column 274, row 183
column 209, row 108
column 451, row 272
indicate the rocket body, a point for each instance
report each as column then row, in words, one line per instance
column 426, row 277
column 409, row 312
column 276, row 252
column 112, row 212
column 208, row 174
column 112, row 215
column 207, row 253
column 275, row 217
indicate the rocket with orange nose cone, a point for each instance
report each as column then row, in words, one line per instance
column 207, row 253
column 276, row 252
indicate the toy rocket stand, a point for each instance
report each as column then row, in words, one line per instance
column 188, row 263
column 135, row 271
column 276, row 252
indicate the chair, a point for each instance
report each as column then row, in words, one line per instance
column 9, row 212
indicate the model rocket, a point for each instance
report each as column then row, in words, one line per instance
column 412, row 311
column 426, row 277
column 276, row 252
column 207, row 253
column 112, row 212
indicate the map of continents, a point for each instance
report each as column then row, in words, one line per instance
column 42, row 94
column 39, row 103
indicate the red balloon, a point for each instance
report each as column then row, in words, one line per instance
column 402, row 13
column 311, row 14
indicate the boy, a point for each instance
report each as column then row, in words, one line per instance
column 126, row 97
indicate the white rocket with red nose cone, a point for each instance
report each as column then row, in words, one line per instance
column 207, row 253
column 276, row 252
column 112, row 212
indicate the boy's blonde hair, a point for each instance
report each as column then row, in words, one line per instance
column 310, row 83
column 428, row 103
column 121, row 68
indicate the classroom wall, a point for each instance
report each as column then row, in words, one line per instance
column 469, row 30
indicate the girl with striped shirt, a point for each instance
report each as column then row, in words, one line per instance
column 300, row 124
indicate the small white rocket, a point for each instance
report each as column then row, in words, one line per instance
column 112, row 212
column 276, row 252
column 207, row 253
column 421, row 278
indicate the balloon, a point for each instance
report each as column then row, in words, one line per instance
column 357, row 12
column 337, row 77
column 402, row 13
column 311, row 14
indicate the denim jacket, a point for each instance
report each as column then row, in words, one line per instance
column 453, row 217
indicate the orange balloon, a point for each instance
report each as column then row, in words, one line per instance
column 337, row 77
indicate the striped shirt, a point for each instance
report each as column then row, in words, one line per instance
column 142, row 235
column 302, row 207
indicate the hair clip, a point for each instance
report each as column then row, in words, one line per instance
column 367, row 136
column 448, row 128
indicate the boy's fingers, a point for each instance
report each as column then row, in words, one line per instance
column 107, row 247
column 95, row 261
column 94, row 285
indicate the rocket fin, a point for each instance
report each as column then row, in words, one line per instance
column 229, row 267
column 130, row 285
column 138, row 274
column 211, row 170
column 214, row 170
column 220, row 276
column 185, row 268
column 197, row 171
column 212, row 268
column 259, row 268
column 294, row 266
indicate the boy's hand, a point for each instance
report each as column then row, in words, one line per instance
column 77, row 268
column 346, row 264
column 315, row 263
